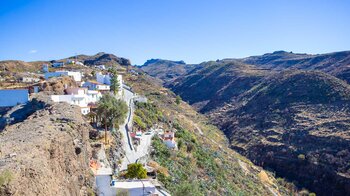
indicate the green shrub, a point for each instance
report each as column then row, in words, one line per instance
column 136, row 170
column 139, row 123
column 5, row 177
column 148, row 114
column 301, row 157
column 178, row 100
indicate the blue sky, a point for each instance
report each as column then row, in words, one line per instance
column 189, row 30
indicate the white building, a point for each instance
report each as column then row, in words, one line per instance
column 12, row 97
column 91, row 85
column 80, row 97
column 69, row 61
column 30, row 80
column 134, row 187
column 106, row 79
column 103, row 78
column 102, row 67
column 76, row 75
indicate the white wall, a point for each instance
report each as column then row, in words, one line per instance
column 103, row 87
column 81, row 100
column 76, row 75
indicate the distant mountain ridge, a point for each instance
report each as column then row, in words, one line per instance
column 285, row 111
column 102, row 58
column 166, row 70
column 215, row 82
column 336, row 63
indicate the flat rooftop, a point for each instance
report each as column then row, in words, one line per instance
column 132, row 184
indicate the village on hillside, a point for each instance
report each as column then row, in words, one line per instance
column 117, row 149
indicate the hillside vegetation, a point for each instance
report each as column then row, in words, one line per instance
column 297, row 123
column 216, row 83
column 203, row 164
column 287, row 112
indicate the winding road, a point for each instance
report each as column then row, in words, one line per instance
column 131, row 155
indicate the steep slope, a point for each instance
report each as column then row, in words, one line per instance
column 297, row 123
column 204, row 164
column 19, row 66
column 166, row 70
column 47, row 154
column 336, row 63
column 216, row 83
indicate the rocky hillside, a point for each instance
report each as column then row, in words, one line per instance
column 166, row 70
column 293, row 122
column 204, row 163
column 336, row 63
column 297, row 123
column 46, row 154
column 13, row 66
column 216, row 83
column 101, row 58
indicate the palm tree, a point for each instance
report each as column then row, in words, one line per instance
column 111, row 112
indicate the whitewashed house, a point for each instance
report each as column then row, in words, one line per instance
column 75, row 75
column 91, row 85
column 134, row 187
column 106, row 79
column 30, row 80
column 69, row 61
column 103, row 78
column 12, row 97
column 102, row 67
column 81, row 97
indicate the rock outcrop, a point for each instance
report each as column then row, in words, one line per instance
column 47, row 154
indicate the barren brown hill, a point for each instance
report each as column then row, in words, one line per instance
column 47, row 154
column 298, row 124
column 336, row 63
column 216, row 83
column 101, row 58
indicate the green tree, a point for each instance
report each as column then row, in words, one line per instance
column 136, row 170
column 301, row 157
column 5, row 177
column 114, row 80
column 115, row 84
column 178, row 100
column 111, row 112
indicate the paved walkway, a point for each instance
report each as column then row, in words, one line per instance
column 103, row 179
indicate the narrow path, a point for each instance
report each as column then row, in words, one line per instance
column 132, row 155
